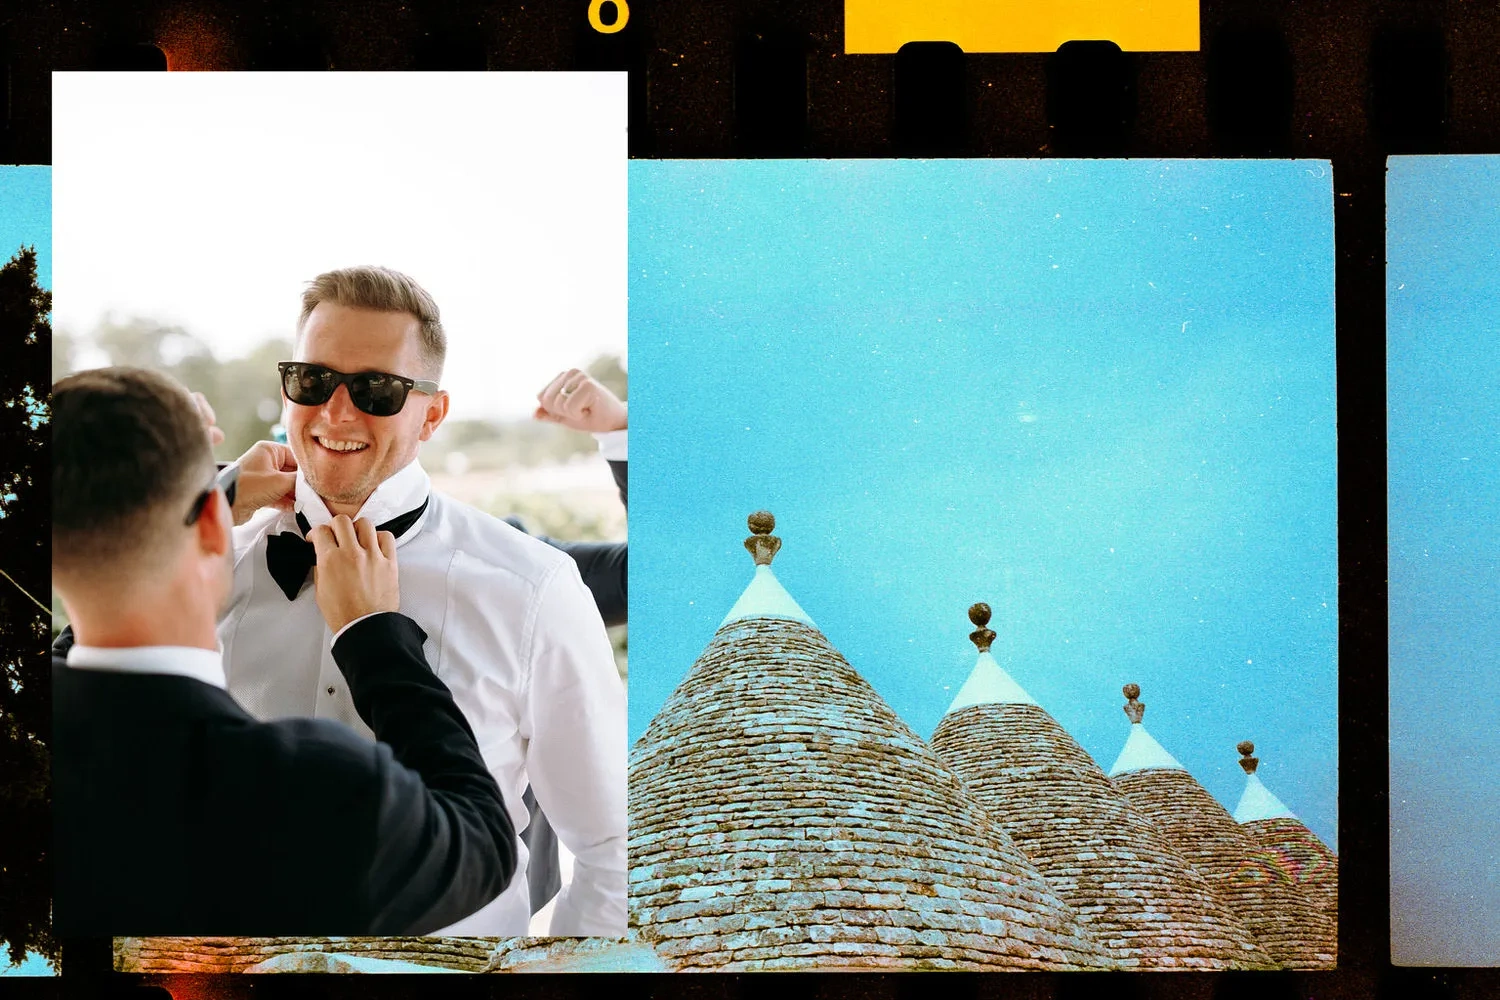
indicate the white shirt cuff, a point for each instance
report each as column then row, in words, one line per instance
column 612, row 445
column 346, row 628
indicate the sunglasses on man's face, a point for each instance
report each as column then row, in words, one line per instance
column 227, row 479
column 380, row 394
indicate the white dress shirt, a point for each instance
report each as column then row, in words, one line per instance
column 612, row 445
column 206, row 665
column 513, row 632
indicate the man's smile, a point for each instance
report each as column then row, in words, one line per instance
column 334, row 444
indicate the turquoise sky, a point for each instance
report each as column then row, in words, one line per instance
column 1098, row 395
column 34, row 965
column 26, row 215
column 1443, row 413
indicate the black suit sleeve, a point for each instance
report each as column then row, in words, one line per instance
column 603, row 565
column 603, row 568
column 617, row 469
column 444, row 844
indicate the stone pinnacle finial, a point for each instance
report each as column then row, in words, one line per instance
column 1249, row 763
column 762, row 545
column 1134, row 710
column 979, row 614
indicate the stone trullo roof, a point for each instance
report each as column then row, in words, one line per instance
column 1140, row 898
column 239, row 954
column 1276, row 828
column 783, row 817
column 1246, row 877
column 224, row 955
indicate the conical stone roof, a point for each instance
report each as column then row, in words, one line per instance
column 1143, row 902
column 237, row 954
column 783, row 816
column 226, row 955
column 1276, row 828
column 1249, row 881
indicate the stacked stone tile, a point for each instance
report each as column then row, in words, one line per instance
column 1249, row 881
column 238, row 954
column 1276, row 828
column 575, row 955
column 1143, row 902
column 783, row 817
column 351, row 954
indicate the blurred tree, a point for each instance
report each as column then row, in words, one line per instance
column 26, row 694
column 548, row 514
column 499, row 444
column 242, row 391
column 62, row 354
column 144, row 343
column 606, row 368
column 619, row 636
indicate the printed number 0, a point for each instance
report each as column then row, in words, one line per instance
column 622, row 14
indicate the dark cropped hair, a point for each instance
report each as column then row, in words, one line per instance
column 129, row 453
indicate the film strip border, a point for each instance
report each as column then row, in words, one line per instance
column 772, row 79
column 1349, row 82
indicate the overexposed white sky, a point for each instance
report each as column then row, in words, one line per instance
column 208, row 199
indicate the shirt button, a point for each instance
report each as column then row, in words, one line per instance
column 330, row 690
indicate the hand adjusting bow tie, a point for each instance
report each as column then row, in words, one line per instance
column 289, row 556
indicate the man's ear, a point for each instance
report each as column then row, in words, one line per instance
column 213, row 526
column 436, row 413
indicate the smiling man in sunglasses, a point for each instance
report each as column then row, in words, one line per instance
column 511, row 628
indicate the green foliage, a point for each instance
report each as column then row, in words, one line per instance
column 63, row 350
column 618, row 638
column 243, row 391
column 26, row 692
column 503, row 444
column 610, row 374
column 548, row 514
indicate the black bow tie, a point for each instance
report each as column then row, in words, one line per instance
column 289, row 556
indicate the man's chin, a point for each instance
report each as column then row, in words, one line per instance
column 343, row 490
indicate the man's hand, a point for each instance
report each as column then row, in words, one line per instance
column 268, row 478
column 577, row 400
column 215, row 436
column 356, row 571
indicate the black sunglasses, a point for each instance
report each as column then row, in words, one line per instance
column 380, row 394
column 226, row 479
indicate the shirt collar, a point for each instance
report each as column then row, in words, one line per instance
column 402, row 492
column 206, row 665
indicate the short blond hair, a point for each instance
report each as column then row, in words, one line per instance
column 383, row 290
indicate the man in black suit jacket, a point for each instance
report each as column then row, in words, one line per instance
column 175, row 812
